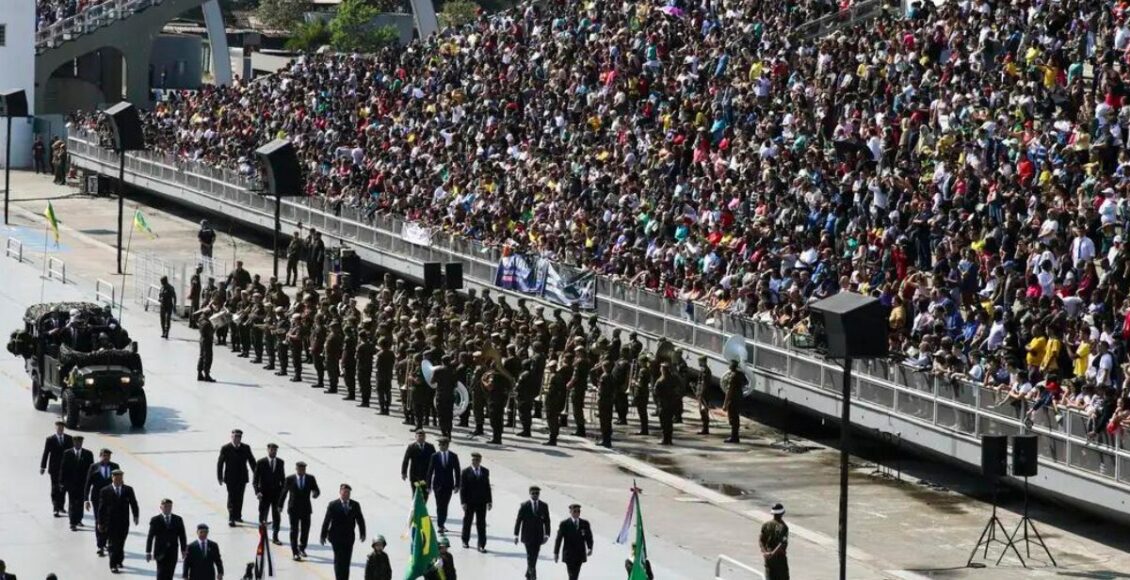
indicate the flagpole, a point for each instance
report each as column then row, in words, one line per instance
column 43, row 276
column 125, row 261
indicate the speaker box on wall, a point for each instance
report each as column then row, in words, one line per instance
column 433, row 276
column 994, row 456
column 850, row 325
column 1025, row 456
column 125, row 123
column 284, row 175
column 453, row 276
column 13, row 103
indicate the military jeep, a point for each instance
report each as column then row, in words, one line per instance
column 76, row 353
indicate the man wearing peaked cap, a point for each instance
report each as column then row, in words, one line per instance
column 774, row 544
column 232, row 470
column 166, row 540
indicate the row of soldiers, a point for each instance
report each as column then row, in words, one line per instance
column 503, row 365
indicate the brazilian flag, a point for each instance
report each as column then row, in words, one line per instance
column 52, row 221
column 639, row 558
column 425, row 547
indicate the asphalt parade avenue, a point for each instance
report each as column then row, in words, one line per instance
column 688, row 523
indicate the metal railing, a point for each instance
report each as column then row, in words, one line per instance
column 14, row 248
column 955, row 406
column 56, row 268
column 855, row 14
column 152, row 296
column 724, row 560
column 89, row 20
column 105, row 293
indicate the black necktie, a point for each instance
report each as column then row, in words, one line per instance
column 168, row 521
column 301, row 480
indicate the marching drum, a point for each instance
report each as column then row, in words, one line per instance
column 221, row 319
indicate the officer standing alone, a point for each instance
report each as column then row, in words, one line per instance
column 167, row 297
column 207, row 337
column 774, row 543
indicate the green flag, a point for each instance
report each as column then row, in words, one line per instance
column 425, row 547
column 141, row 225
column 52, row 221
column 639, row 557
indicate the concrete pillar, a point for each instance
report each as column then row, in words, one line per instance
column 136, row 57
column 218, row 42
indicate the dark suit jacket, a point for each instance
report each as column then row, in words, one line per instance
column 95, row 482
column 165, row 541
column 299, row 498
column 440, row 476
column 198, row 566
column 230, row 467
column 577, row 539
column 338, row 523
column 475, row 490
column 267, row 482
column 416, row 462
column 530, row 527
column 74, row 468
column 53, row 452
column 114, row 509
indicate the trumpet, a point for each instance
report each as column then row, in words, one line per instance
column 491, row 353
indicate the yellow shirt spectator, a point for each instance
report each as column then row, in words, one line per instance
column 1037, row 348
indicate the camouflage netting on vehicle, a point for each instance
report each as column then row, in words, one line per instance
column 69, row 358
column 36, row 311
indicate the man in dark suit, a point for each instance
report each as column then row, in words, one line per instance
column 576, row 535
column 72, row 475
column 443, row 480
column 53, row 449
column 337, row 527
column 475, row 497
column 231, row 470
column 202, row 560
column 4, row 575
column 97, row 478
column 532, row 529
column 166, row 541
column 270, row 475
column 116, row 502
column 299, row 487
column 417, row 458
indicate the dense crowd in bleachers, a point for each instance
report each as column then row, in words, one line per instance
column 48, row 12
column 966, row 163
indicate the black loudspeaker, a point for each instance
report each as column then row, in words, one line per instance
column 850, row 325
column 284, row 176
column 1025, row 456
column 13, row 103
column 125, row 124
column 453, row 276
column 433, row 276
column 994, row 456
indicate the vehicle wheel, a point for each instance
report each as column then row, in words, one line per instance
column 71, row 411
column 38, row 396
column 137, row 413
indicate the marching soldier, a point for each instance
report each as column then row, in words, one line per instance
column 385, row 362
column 255, row 324
column 294, row 339
column 621, row 372
column 364, row 357
column 204, row 361
column 556, row 397
column 420, row 392
column 528, row 387
column 294, row 253
column 700, row 394
column 349, row 363
column 195, row 294
column 317, row 347
column 479, row 393
column 666, row 393
column 498, row 388
column 465, row 373
column 641, row 390
column 443, row 378
column 605, row 397
column 270, row 321
column 735, row 383
column 167, row 297
column 403, row 380
column 219, row 303
column 331, row 357
column 578, row 387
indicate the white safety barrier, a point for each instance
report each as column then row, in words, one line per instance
column 732, row 563
column 56, row 268
column 152, row 296
column 14, row 248
column 104, row 293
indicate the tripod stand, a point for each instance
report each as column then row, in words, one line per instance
column 989, row 535
column 1026, row 523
